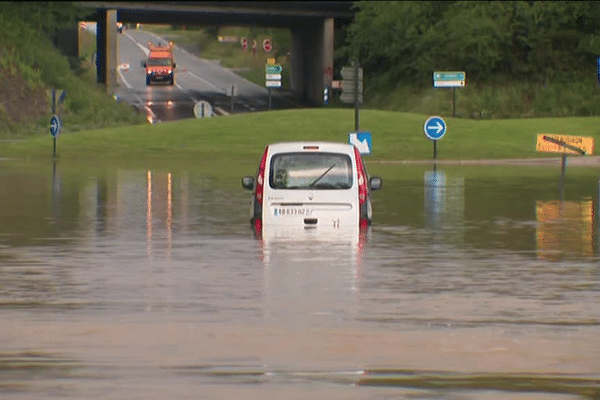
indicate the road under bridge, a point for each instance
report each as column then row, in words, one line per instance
column 311, row 23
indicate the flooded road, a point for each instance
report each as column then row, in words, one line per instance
column 146, row 282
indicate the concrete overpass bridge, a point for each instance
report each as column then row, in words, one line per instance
column 312, row 25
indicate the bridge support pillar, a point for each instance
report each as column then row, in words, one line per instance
column 312, row 59
column 106, row 45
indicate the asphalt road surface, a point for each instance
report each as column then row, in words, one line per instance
column 195, row 80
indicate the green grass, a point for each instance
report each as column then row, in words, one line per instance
column 242, row 137
column 28, row 54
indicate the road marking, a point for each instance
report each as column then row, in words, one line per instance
column 143, row 48
column 221, row 111
column 185, row 51
column 207, row 82
column 153, row 116
column 123, row 79
column 155, row 35
column 146, row 51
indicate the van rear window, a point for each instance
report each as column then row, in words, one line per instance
column 160, row 62
column 310, row 171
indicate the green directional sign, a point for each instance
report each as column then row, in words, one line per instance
column 273, row 69
column 449, row 78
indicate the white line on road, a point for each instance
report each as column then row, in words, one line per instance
column 153, row 116
column 220, row 110
column 207, row 82
column 143, row 48
column 123, row 79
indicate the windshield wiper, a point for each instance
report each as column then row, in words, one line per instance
column 322, row 175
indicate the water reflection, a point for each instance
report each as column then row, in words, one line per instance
column 140, row 270
column 311, row 276
column 565, row 228
column 443, row 206
column 452, row 209
column 56, row 192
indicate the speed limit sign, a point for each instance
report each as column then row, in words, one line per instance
column 267, row 45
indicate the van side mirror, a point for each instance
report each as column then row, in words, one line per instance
column 143, row 64
column 248, row 182
column 174, row 65
column 375, row 183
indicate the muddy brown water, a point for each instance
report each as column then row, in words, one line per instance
column 120, row 282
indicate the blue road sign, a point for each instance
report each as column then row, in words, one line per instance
column 362, row 141
column 434, row 128
column 55, row 125
column 273, row 69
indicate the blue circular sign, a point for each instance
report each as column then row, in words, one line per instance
column 55, row 125
column 434, row 128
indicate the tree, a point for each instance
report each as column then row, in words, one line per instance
column 46, row 17
column 401, row 41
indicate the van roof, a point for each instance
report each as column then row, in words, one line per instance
column 160, row 54
column 316, row 146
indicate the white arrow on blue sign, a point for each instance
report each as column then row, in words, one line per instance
column 55, row 125
column 434, row 128
column 362, row 141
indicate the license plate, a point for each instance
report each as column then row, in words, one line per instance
column 291, row 211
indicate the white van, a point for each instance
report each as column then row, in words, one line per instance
column 311, row 185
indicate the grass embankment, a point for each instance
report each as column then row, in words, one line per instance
column 242, row 137
column 30, row 66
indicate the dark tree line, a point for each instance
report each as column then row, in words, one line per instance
column 405, row 41
column 44, row 16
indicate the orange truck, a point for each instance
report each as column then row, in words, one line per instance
column 160, row 66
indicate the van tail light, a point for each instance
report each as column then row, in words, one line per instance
column 258, row 227
column 362, row 189
column 362, row 179
column 260, row 178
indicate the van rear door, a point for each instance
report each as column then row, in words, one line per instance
column 311, row 189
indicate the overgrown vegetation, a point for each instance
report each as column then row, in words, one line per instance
column 522, row 58
column 31, row 65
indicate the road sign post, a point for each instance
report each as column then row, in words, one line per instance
column 565, row 144
column 435, row 129
column 352, row 88
column 267, row 45
column 598, row 71
column 55, row 122
column 362, row 141
column 450, row 79
column 273, row 74
column 55, row 126
column 203, row 109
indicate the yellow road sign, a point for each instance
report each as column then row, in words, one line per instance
column 566, row 144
